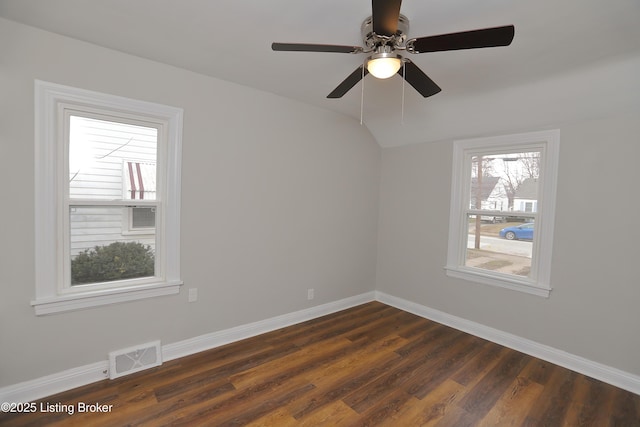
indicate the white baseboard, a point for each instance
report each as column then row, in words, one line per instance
column 38, row 388
column 216, row 339
column 55, row 383
column 613, row 376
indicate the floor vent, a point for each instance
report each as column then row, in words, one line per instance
column 134, row 359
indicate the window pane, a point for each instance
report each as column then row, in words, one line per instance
column 143, row 217
column 500, row 245
column 505, row 182
column 100, row 252
column 111, row 160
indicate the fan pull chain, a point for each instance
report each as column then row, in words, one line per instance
column 362, row 95
column 404, row 78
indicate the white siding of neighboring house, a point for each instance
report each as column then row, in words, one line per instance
column 497, row 200
column 99, row 152
column 525, row 199
column 521, row 205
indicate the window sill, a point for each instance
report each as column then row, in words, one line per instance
column 142, row 232
column 502, row 281
column 78, row 301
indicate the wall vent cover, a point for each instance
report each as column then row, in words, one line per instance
column 134, row 359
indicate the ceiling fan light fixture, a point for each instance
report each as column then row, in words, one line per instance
column 384, row 65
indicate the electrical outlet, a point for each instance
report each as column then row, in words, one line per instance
column 193, row 294
column 310, row 293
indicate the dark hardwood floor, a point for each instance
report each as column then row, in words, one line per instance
column 369, row 365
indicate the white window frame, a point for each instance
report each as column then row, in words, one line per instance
column 51, row 102
column 539, row 281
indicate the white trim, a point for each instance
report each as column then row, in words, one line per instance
column 548, row 143
column 219, row 338
column 55, row 383
column 50, row 296
column 79, row 301
column 481, row 276
column 76, row 377
column 608, row 374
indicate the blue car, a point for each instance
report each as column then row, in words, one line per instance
column 519, row 232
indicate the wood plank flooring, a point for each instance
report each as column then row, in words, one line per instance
column 369, row 365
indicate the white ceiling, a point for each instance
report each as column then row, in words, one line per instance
column 555, row 42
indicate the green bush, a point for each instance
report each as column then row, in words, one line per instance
column 117, row 261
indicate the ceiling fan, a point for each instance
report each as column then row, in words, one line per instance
column 384, row 34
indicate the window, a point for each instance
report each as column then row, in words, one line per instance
column 107, row 199
column 142, row 219
column 502, row 210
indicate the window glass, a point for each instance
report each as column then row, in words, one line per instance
column 143, row 218
column 110, row 160
column 99, row 148
column 101, row 253
column 507, row 185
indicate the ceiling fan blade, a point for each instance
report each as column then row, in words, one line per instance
column 419, row 80
column 305, row 47
column 385, row 15
column 488, row 37
column 348, row 83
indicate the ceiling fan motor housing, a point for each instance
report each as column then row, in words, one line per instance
column 372, row 40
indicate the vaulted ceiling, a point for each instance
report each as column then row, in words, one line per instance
column 562, row 64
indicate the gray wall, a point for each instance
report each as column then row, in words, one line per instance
column 277, row 197
column 593, row 308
